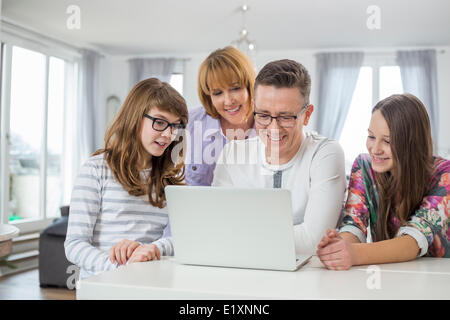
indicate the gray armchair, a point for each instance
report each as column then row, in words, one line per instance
column 53, row 263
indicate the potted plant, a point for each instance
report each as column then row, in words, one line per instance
column 7, row 233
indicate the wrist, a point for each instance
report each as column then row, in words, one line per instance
column 157, row 247
column 358, row 254
column 349, row 237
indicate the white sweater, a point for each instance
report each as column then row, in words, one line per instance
column 315, row 176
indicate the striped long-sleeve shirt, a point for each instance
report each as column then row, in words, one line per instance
column 102, row 213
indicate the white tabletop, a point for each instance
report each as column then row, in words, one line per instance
column 424, row 278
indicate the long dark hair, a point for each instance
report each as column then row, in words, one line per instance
column 402, row 189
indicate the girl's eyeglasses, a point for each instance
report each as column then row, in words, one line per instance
column 161, row 124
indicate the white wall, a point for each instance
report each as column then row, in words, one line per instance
column 116, row 81
column 115, row 77
column 443, row 71
column 191, row 66
column 115, row 73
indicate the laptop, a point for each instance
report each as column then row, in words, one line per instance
column 233, row 227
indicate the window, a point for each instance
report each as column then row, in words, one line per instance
column 176, row 81
column 390, row 81
column 35, row 133
column 375, row 82
column 55, row 137
column 28, row 77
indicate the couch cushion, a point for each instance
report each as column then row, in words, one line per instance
column 64, row 211
column 57, row 228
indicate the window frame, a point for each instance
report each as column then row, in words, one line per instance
column 182, row 81
column 16, row 36
column 375, row 60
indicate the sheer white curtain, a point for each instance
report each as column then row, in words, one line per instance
column 143, row 68
column 419, row 77
column 338, row 74
column 88, row 117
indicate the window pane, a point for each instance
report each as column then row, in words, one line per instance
column 390, row 81
column 354, row 134
column 176, row 81
column 26, row 124
column 55, row 136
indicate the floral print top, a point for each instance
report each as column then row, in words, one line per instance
column 431, row 219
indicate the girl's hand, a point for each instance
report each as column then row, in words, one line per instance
column 123, row 250
column 331, row 236
column 334, row 252
column 145, row 252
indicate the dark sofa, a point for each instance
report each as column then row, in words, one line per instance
column 53, row 264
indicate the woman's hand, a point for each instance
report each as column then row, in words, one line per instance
column 145, row 252
column 335, row 252
column 122, row 251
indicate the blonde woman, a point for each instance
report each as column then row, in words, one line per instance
column 225, row 88
column 117, row 210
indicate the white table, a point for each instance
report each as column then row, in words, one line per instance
column 424, row 278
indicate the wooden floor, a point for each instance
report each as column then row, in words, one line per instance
column 25, row 286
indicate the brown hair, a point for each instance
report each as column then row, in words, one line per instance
column 123, row 147
column 285, row 74
column 402, row 189
column 223, row 66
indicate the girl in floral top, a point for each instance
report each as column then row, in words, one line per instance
column 399, row 189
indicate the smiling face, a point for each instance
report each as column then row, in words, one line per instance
column 156, row 142
column 281, row 142
column 378, row 143
column 231, row 102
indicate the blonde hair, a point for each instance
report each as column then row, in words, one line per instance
column 123, row 147
column 223, row 66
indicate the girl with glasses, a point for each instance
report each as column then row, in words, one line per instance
column 399, row 189
column 117, row 211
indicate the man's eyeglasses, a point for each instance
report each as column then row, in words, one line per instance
column 161, row 124
column 265, row 119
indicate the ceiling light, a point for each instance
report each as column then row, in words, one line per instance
column 243, row 43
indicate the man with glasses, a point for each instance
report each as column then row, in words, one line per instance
column 283, row 156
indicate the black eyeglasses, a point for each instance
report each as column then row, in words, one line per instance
column 161, row 124
column 265, row 119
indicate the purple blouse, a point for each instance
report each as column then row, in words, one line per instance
column 205, row 141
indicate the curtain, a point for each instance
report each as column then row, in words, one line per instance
column 338, row 73
column 419, row 77
column 88, row 118
column 161, row 68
